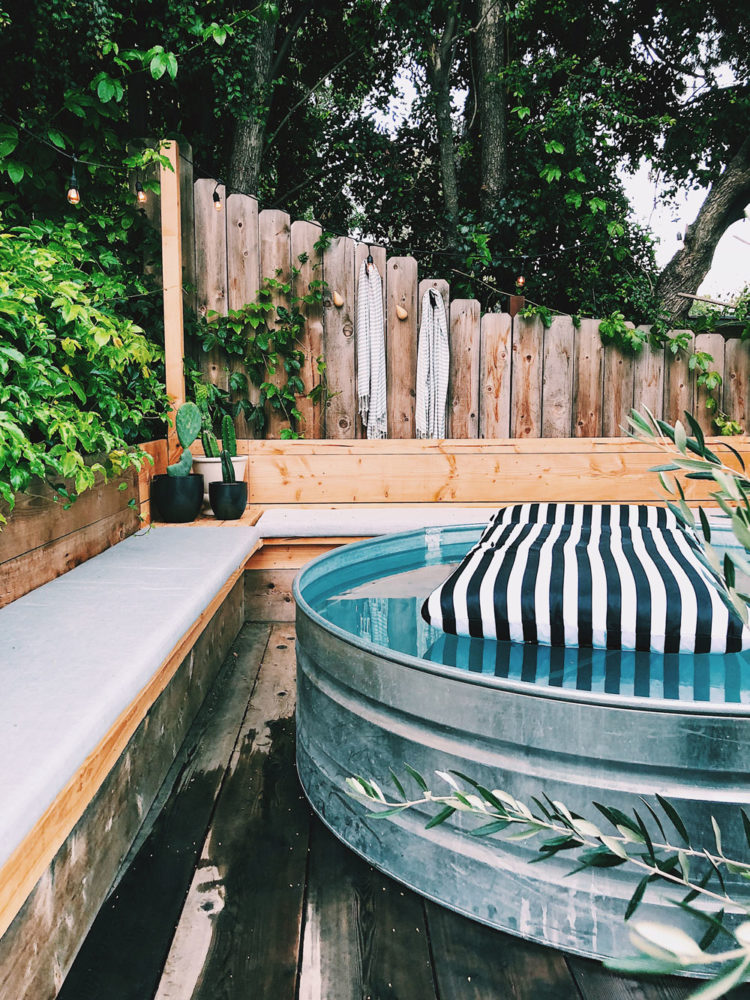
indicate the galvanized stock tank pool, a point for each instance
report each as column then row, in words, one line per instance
column 377, row 687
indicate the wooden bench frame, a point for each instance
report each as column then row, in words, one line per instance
column 309, row 476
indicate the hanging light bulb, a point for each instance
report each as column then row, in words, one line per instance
column 74, row 195
column 140, row 194
column 520, row 282
column 217, row 198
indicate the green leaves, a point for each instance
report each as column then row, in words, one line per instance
column 161, row 62
column 74, row 369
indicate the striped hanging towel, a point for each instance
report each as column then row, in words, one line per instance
column 371, row 352
column 433, row 364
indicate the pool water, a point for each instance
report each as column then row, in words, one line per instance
column 379, row 603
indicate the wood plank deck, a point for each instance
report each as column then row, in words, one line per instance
column 235, row 891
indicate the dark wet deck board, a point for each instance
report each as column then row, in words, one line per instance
column 124, row 953
column 236, row 891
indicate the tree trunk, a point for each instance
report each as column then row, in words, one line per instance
column 490, row 55
column 439, row 64
column 249, row 133
column 725, row 203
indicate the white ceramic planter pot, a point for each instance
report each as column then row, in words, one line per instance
column 210, row 468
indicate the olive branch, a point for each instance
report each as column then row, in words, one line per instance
column 698, row 872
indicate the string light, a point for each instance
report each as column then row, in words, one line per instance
column 74, row 195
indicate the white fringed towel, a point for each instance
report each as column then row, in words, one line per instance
column 371, row 387
column 433, row 365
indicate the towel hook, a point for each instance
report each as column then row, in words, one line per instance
column 433, row 298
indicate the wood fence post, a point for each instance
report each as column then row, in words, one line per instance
column 171, row 252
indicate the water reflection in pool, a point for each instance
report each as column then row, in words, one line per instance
column 386, row 613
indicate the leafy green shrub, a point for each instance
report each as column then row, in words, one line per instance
column 79, row 378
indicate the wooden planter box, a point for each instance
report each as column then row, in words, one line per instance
column 41, row 540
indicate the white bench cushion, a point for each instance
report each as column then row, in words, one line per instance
column 346, row 522
column 77, row 651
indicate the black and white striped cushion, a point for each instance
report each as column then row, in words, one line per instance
column 603, row 575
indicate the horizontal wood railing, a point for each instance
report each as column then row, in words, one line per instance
column 465, row 472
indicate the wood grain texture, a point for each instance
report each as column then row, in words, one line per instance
column 341, row 418
column 557, row 378
column 401, row 345
column 365, row 935
column 243, row 277
column 678, row 383
column 598, row 983
column 211, row 271
column 37, row 949
column 187, row 215
column 463, row 383
column 37, row 849
column 442, row 472
column 473, row 962
column 617, row 395
column 123, row 954
column 239, row 932
column 379, row 259
column 210, row 249
column 526, row 392
column 268, row 594
column 32, row 569
column 309, row 263
column 275, row 262
column 648, row 379
column 495, row 369
column 587, row 396
column 713, row 344
column 737, row 380
column 39, row 517
column 172, row 278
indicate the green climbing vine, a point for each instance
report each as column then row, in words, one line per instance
column 266, row 337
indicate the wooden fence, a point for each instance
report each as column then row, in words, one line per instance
column 508, row 378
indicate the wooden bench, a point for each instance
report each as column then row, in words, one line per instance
column 102, row 672
column 310, row 496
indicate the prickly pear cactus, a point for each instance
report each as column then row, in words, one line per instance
column 210, row 444
column 227, row 469
column 183, row 467
column 228, row 436
column 188, row 424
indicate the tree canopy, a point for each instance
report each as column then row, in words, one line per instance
column 522, row 118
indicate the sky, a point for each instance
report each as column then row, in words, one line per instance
column 730, row 271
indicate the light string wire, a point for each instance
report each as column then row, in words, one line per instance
column 325, row 231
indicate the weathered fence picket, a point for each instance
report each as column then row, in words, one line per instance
column 557, row 377
column 508, row 378
column 401, row 345
column 495, row 369
column 587, row 392
column 737, row 380
column 307, row 266
column 617, row 395
column 678, row 383
column 463, row 383
column 648, row 378
column 341, row 419
column 211, row 269
column 526, row 389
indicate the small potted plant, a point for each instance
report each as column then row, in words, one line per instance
column 228, row 497
column 178, row 495
column 209, row 464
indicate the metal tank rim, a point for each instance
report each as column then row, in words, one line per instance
column 394, row 542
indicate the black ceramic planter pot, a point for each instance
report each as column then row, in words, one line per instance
column 228, row 500
column 177, row 498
